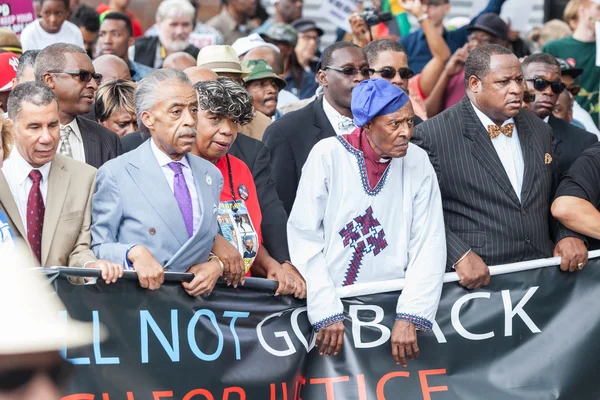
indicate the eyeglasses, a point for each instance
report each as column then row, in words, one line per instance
column 15, row 379
column 540, row 84
column 314, row 38
column 350, row 71
column 480, row 40
column 390, row 73
column 83, row 75
column 574, row 90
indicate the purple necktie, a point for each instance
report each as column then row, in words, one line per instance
column 182, row 195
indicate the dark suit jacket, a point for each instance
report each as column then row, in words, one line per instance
column 99, row 143
column 145, row 50
column 290, row 139
column 571, row 141
column 256, row 156
column 481, row 209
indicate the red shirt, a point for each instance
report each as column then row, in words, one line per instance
column 375, row 165
column 241, row 176
column 137, row 26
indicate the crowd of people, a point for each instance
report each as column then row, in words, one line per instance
column 238, row 147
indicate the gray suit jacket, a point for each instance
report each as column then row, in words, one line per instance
column 134, row 205
column 481, row 209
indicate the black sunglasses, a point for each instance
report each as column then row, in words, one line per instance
column 540, row 84
column 18, row 378
column 351, row 71
column 574, row 90
column 390, row 73
column 83, row 75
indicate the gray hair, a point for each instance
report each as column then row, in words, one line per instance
column 227, row 98
column 175, row 8
column 53, row 57
column 145, row 97
column 27, row 60
column 30, row 92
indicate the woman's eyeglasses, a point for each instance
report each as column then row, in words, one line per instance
column 390, row 73
column 351, row 71
column 540, row 85
column 83, row 75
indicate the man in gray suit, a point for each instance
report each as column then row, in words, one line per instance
column 154, row 209
column 497, row 172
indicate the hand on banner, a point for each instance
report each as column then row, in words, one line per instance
column 404, row 342
column 233, row 264
column 330, row 339
column 573, row 254
column 300, row 292
column 473, row 272
column 205, row 278
column 275, row 272
column 110, row 272
column 150, row 273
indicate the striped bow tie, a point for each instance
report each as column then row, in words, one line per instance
column 495, row 130
column 345, row 123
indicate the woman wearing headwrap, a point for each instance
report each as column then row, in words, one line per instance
column 369, row 209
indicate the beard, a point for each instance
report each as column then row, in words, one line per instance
column 175, row 43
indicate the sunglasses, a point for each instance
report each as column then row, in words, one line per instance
column 350, row 71
column 390, row 73
column 574, row 90
column 83, row 75
column 540, row 85
column 15, row 379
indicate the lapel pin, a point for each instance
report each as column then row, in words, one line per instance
column 243, row 192
column 208, row 180
column 547, row 159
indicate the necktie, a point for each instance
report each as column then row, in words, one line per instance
column 65, row 146
column 495, row 130
column 182, row 195
column 35, row 214
column 344, row 123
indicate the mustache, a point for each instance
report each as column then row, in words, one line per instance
column 178, row 37
column 269, row 99
column 187, row 131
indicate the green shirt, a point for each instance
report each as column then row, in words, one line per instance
column 584, row 56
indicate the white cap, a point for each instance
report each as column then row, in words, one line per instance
column 247, row 43
column 31, row 311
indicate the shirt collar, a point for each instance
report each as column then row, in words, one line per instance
column 75, row 127
column 485, row 120
column 163, row 159
column 547, row 119
column 19, row 168
column 332, row 114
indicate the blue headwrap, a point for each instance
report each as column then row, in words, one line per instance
column 375, row 97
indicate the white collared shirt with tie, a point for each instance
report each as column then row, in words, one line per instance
column 75, row 141
column 337, row 120
column 16, row 171
column 509, row 151
column 164, row 161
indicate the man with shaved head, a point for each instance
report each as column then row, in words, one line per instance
column 111, row 68
column 179, row 60
column 200, row 74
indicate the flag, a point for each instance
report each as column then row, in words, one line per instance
column 400, row 15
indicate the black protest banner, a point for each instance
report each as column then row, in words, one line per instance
column 529, row 335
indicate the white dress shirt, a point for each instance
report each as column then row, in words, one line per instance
column 16, row 171
column 163, row 161
column 509, row 150
column 75, row 141
column 335, row 117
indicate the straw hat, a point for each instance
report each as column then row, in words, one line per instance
column 30, row 315
column 9, row 41
column 221, row 58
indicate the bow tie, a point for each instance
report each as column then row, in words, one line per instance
column 495, row 130
column 345, row 123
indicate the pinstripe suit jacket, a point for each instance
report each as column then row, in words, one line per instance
column 481, row 209
column 99, row 143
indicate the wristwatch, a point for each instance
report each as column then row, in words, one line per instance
column 422, row 18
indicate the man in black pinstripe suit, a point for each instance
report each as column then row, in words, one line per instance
column 497, row 172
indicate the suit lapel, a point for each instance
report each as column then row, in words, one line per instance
column 153, row 185
column 58, row 184
column 483, row 149
column 10, row 207
column 525, row 137
column 90, row 146
column 557, row 133
column 321, row 121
